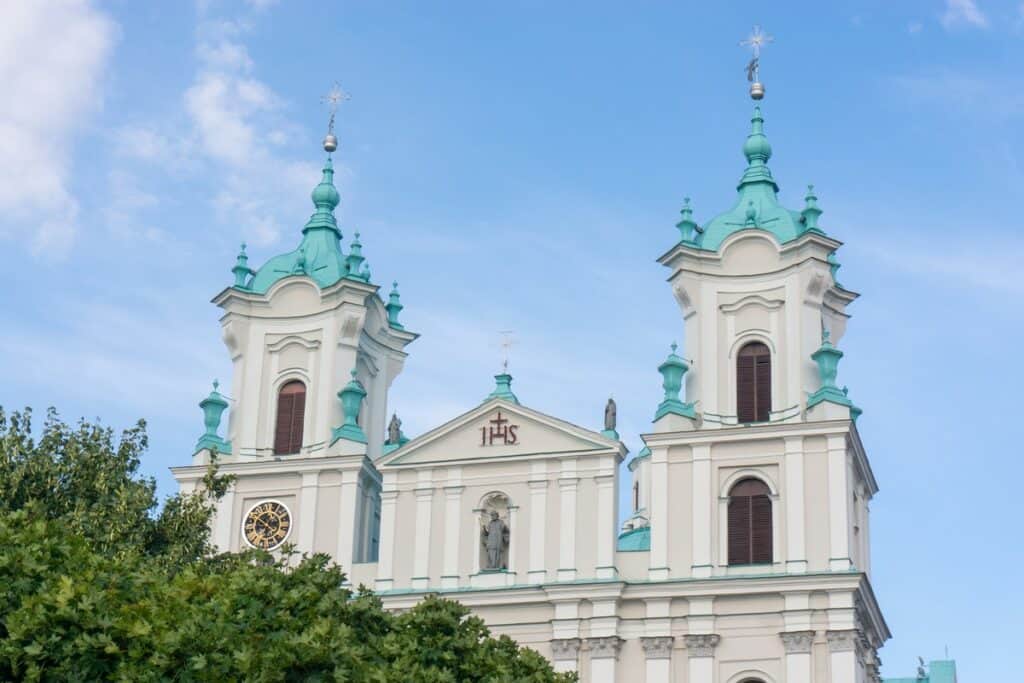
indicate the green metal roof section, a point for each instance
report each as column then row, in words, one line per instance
column 635, row 540
column 757, row 202
column 319, row 255
column 503, row 388
column 938, row 671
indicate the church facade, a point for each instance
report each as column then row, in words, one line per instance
column 745, row 557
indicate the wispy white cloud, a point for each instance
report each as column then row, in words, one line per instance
column 963, row 13
column 914, row 27
column 994, row 269
column 53, row 54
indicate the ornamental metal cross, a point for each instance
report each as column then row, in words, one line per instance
column 755, row 42
column 333, row 99
column 506, row 347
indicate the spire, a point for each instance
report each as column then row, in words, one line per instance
column 503, row 388
column 688, row 229
column 241, row 270
column 394, row 307
column 672, row 371
column 355, row 257
column 325, row 198
column 811, row 212
column 758, row 151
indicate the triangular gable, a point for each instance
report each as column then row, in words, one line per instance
column 499, row 429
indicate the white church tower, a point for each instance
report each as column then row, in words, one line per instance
column 314, row 351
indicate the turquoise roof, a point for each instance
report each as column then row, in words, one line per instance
column 635, row 540
column 757, row 202
column 939, row 671
column 319, row 255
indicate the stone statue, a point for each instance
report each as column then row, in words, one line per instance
column 609, row 415
column 394, row 430
column 494, row 537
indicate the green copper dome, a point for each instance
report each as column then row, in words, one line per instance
column 757, row 202
column 319, row 255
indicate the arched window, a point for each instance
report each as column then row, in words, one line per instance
column 291, row 410
column 750, row 523
column 753, row 383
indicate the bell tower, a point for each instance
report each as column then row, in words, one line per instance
column 757, row 473
column 314, row 351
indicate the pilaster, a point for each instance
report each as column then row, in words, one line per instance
column 565, row 654
column 659, row 522
column 798, row 646
column 307, row 511
column 604, row 654
column 421, row 550
column 348, row 502
column 842, row 656
column 658, row 658
column 452, row 516
column 607, row 514
column 838, row 506
column 701, row 515
column 796, row 521
column 701, row 651
column 385, row 567
column 568, row 484
column 537, row 572
column 225, row 521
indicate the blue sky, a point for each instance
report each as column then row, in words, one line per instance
column 520, row 166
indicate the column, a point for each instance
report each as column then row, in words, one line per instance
column 537, row 572
column 842, row 656
column 793, row 497
column 701, row 651
column 307, row 511
column 797, row 645
column 565, row 654
column 567, row 485
column 604, row 653
column 225, row 520
column 452, row 517
column 607, row 512
column 385, row 567
column 349, row 502
column 838, row 506
column 659, row 521
column 658, row 653
column 701, row 493
column 421, row 543
column 515, row 537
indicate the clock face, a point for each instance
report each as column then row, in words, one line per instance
column 267, row 525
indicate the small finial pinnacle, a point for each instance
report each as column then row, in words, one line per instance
column 216, row 384
column 674, row 347
column 755, row 42
column 333, row 98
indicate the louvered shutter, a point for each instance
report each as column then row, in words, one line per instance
column 745, row 390
column 283, row 428
column 291, row 412
column 739, row 530
column 298, row 418
column 763, row 387
column 760, row 530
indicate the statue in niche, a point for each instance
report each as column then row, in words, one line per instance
column 494, row 537
column 394, row 429
column 610, row 411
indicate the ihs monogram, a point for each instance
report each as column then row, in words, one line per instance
column 501, row 432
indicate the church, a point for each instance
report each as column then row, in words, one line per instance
column 745, row 557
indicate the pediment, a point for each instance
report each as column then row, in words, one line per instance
column 499, row 429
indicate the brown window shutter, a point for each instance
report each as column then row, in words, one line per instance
column 298, row 419
column 739, row 530
column 291, row 410
column 763, row 388
column 761, row 530
column 745, row 389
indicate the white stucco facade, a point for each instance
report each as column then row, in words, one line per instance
column 406, row 518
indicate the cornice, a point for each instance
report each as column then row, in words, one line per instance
column 744, row 433
column 282, row 465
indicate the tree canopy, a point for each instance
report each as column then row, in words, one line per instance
column 99, row 582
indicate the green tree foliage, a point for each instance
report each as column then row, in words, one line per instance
column 95, row 585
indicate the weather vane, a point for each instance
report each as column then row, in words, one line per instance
column 755, row 42
column 332, row 99
column 506, row 347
